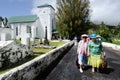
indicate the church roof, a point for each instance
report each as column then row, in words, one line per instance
column 18, row 19
column 46, row 5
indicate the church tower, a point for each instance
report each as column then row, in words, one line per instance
column 46, row 14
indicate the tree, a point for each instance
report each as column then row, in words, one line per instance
column 94, row 28
column 72, row 17
column 117, row 31
column 104, row 31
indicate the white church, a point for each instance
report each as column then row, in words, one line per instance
column 33, row 26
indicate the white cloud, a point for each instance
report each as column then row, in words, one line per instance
column 107, row 11
column 42, row 2
column 102, row 10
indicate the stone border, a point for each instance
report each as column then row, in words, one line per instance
column 113, row 46
column 39, row 66
column 13, row 53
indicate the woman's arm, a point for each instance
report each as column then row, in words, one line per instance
column 88, row 53
column 103, row 52
column 79, row 46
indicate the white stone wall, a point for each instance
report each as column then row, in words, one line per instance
column 39, row 29
column 13, row 53
column 13, row 32
column 37, row 66
column 113, row 46
column 46, row 14
column 5, row 34
column 22, row 30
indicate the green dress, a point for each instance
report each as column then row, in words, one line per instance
column 95, row 49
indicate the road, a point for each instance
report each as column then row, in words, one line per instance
column 67, row 69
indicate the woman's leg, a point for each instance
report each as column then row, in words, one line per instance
column 81, row 69
column 93, row 69
column 80, row 57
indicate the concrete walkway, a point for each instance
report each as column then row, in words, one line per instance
column 67, row 69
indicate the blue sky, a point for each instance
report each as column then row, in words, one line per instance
column 107, row 11
column 10, row 8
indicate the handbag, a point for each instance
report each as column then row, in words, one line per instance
column 103, row 66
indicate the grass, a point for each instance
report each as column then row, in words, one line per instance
column 116, row 42
column 57, row 44
column 37, row 52
column 40, row 51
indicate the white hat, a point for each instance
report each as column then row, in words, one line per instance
column 98, row 36
column 84, row 35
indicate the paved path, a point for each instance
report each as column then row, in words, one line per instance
column 67, row 70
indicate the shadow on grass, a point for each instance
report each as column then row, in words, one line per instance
column 39, row 53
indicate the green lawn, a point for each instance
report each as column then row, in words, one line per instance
column 116, row 42
column 37, row 52
column 57, row 44
column 40, row 51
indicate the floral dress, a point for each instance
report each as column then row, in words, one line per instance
column 95, row 50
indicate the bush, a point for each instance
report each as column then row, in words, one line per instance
column 109, row 40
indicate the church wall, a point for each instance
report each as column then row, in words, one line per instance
column 22, row 30
column 39, row 29
column 46, row 16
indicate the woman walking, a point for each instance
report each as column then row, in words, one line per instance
column 82, row 52
column 95, row 51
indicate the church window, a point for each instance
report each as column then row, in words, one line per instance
column 37, row 31
column 43, row 11
column 28, row 29
column 17, row 31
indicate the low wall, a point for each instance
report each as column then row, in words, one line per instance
column 113, row 46
column 13, row 53
column 39, row 66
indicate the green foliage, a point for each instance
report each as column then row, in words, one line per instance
column 104, row 30
column 72, row 17
column 116, row 42
column 93, row 28
column 114, row 31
